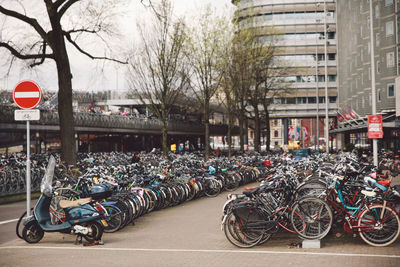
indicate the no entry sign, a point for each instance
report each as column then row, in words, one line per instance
column 27, row 95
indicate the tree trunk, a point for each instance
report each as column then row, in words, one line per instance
column 229, row 134
column 65, row 111
column 207, row 129
column 267, row 129
column 164, row 138
column 241, row 130
column 256, row 129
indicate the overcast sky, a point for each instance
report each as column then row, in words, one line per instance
column 89, row 75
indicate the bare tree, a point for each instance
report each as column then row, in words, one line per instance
column 157, row 70
column 240, row 76
column 68, row 21
column 203, row 51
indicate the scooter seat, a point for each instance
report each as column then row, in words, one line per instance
column 74, row 203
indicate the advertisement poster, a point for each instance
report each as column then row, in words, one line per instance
column 375, row 129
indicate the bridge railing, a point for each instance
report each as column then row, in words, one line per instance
column 96, row 120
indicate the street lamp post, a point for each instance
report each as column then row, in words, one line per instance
column 373, row 89
column 326, row 83
column 317, row 98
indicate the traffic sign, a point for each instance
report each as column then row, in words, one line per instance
column 27, row 115
column 27, row 95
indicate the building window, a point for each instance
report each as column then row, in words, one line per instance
column 368, row 23
column 301, row 100
column 275, row 122
column 332, row 99
column 369, row 73
column 276, row 134
column 378, row 67
column 377, row 11
column 331, row 56
column 390, row 90
column 377, row 40
column 251, row 134
column 362, row 102
column 277, row 101
column 379, row 95
column 291, row 100
column 389, row 28
column 390, row 59
column 388, row 2
column 331, row 78
column 276, row 143
column 312, row 100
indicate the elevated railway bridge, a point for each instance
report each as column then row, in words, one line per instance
column 98, row 132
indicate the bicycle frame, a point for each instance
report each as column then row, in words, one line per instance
column 350, row 215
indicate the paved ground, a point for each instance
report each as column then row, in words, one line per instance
column 186, row 235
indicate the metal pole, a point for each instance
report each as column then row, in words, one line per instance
column 28, row 171
column 326, row 84
column 317, row 96
column 373, row 89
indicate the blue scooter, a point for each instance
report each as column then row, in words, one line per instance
column 80, row 218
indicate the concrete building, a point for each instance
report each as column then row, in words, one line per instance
column 354, row 69
column 299, row 27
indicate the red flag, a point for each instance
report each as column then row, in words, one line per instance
column 340, row 118
column 344, row 113
column 352, row 113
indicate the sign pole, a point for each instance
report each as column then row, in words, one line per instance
column 28, row 170
column 27, row 95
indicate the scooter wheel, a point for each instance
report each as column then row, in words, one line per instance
column 32, row 233
column 96, row 232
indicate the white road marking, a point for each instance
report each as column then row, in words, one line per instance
column 209, row 251
column 9, row 221
column 26, row 94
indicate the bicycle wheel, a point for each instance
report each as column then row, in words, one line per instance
column 237, row 234
column 212, row 187
column 114, row 219
column 311, row 218
column 311, row 189
column 379, row 227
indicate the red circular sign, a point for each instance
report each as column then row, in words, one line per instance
column 27, row 94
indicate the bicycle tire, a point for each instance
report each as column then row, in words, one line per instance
column 114, row 219
column 389, row 231
column 311, row 218
column 234, row 234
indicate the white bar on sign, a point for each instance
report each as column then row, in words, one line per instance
column 26, row 94
column 27, row 115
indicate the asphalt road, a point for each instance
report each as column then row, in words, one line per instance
column 185, row 235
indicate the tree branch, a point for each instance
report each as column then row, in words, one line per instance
column 68, row 36
column 26, row 19
column 58, row 3
column 21, row 56
column 65, row 7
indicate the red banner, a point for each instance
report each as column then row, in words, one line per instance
column 375, row 129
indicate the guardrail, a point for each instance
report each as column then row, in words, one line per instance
column 95, row 120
